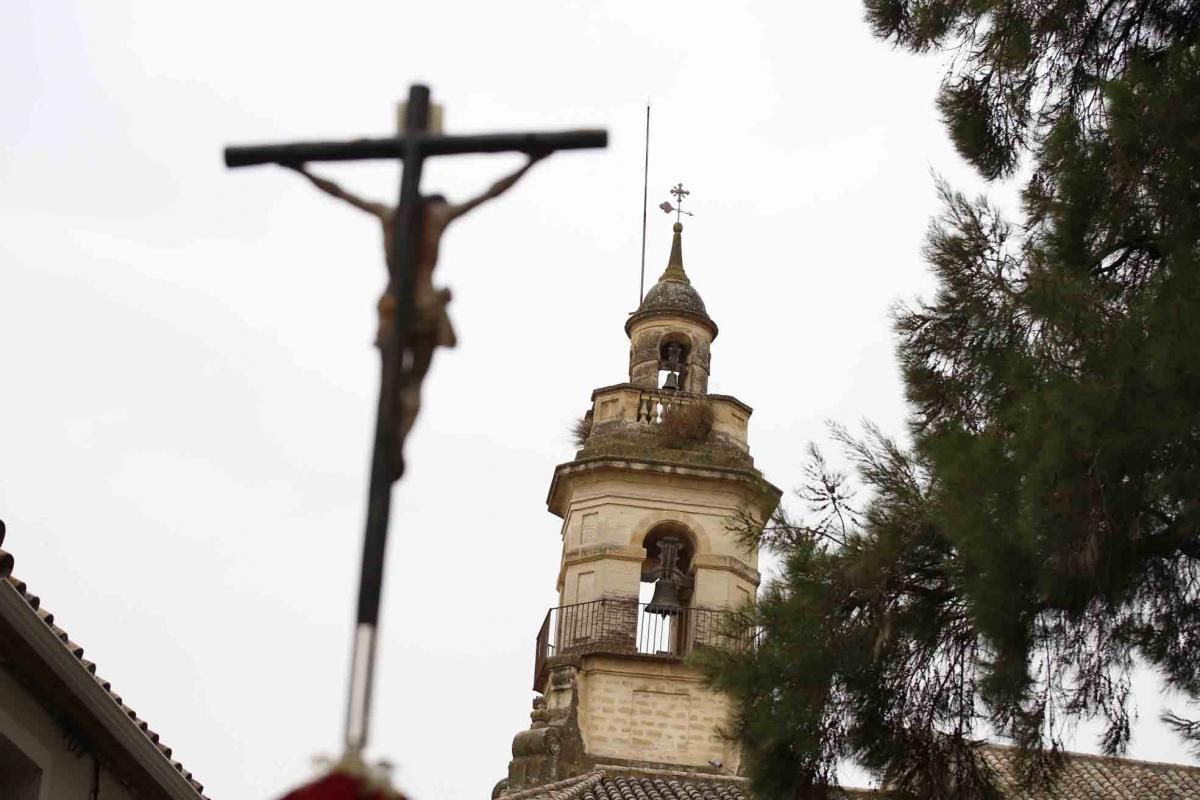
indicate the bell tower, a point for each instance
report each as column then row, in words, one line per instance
column 650, row 571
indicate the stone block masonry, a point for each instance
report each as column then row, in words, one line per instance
column 652, row 710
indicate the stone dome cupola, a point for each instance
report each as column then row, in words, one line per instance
column 671, row 326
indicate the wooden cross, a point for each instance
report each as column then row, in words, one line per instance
column 415, row 145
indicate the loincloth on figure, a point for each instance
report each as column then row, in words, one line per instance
column 431, row 322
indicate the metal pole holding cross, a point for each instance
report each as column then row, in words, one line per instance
column 412, row 148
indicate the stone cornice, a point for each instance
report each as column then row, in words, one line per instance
column 633, row 387
column 763, row 490
column 597, row 552
column 594, row 552
column 728, row 564
column 728, row 398
column 679, row 313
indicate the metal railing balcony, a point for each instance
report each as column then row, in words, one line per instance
column 625, row 627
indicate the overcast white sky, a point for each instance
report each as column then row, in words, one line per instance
column 185, row 364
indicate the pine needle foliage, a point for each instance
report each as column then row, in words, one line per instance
column 1043, row 530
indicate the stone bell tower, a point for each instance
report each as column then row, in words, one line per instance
column 650, row 569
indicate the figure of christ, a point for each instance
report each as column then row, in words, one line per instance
column 431, row 326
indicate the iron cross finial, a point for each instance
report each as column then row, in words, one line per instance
column 679, row 193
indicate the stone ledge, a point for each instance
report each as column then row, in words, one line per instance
column 751, row 478
column 727, row 564
column 594, row 552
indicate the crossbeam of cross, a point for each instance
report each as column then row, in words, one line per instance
column 412, row 147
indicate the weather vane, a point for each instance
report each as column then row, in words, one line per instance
column 679, row 193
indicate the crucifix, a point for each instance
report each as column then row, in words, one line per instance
column 412, row 319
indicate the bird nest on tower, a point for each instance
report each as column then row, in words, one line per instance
column 686, row 424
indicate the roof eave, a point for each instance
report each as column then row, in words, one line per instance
column 113, row 732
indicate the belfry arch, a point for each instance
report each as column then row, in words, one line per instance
column 674, row 358
column 686, row 552
column 677, row 529
column 646, row 525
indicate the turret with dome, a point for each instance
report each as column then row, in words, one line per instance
column 672, row 312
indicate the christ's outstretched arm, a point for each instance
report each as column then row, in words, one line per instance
column 331, row 188
column 498, row 188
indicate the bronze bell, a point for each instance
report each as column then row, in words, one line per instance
column 666, row 588
column 672, row 381
column 665, row 601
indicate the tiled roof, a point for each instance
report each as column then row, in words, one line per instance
column 622, row 783
column 35, row 608
column 1083, row 777
column 569, row 789
column 1088, row 777
column 662, row 788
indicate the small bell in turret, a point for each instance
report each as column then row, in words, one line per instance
column 672, row 362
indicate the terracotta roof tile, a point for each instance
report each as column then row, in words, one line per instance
column 6, row 565
column 1088, row 777
column 651, row 787
column 564, row 789
column 619, row 783
column 1083, row 777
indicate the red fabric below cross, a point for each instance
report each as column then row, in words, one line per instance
column 340, row 786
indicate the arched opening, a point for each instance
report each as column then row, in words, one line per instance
column 665, row 591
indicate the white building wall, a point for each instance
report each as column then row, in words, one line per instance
column 27, row 727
